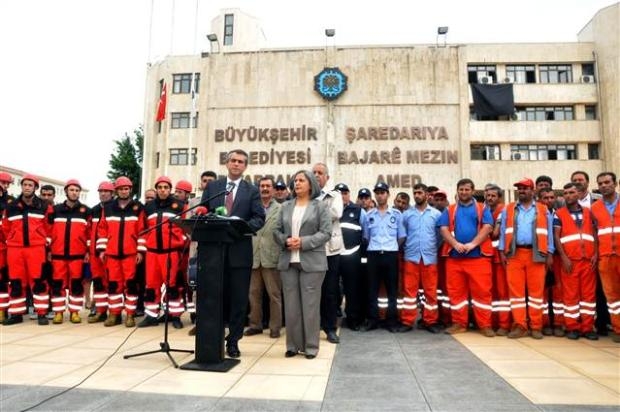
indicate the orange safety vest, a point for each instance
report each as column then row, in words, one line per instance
column 578, row 243
column 541, row 229
column 608, row 228
column 486, row 249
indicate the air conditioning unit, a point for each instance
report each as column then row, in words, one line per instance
column 485, row 80
column 508, row 80
column 515, row 156
column 587, row 78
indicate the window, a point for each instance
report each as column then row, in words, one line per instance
column 521, row 74
column 228, row 29
column 587, row 69
column 543, row 152
column 546, row 113
column 157, row 160
column 182, row 83
column 556, row 73
column 590, row 112
column 180, row 120
column 475, row 73
column 179, row 156
column 593, row 151
column 485, row 152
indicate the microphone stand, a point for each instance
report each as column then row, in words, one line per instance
column 165, row 346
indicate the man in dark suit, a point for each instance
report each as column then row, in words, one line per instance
column 243, row 201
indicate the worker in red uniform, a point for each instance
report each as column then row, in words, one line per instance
column 607, row 216
column 100, row 294
column 5, row 181
column 575, row 242
column 465, row 227
column 164, row 244
column 117, row 241
column 27, row 229
column 526, row 250
column 69, row 243
column 493, row 199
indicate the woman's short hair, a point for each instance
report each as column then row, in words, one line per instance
column 315, row 189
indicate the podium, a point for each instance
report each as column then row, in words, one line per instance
column 214, row 235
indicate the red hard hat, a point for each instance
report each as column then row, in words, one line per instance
column 163, row 179
column 30, row 177
column 184, row 185
column 105, row 186
column 122, row 181
column 5, row 177
column 73, row 182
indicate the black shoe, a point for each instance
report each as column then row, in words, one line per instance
column 43, row 320
column 403, row 328
column 148, row 321
column 139, row 313
column 233, row 350
column 434, row 328
column 252, row 332
column 590, row 335
column 393, row 328
column 332, row 337
column 573, row 334
column 369, row 325
column 176, row 322
column 13, row 319
column 309, row 356
column 290, row 353
column 354, row 327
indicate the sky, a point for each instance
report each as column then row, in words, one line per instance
column 73, row 71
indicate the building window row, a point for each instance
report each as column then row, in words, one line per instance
column 522, row 73
column 180, row 156
column 492, row 151
column 182, row 83
column 539, row 113
column 180, row 120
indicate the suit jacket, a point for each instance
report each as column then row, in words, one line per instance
column 266, row 250
column 315, row 232
column 246, row 206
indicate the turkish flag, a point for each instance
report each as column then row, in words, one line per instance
column 161, row 105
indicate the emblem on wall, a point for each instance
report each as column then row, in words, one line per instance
column 330, row 83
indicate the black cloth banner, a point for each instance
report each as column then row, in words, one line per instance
column 493, row 99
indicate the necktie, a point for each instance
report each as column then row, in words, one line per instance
column 228, row 202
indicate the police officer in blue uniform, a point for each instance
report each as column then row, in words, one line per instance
column 384, row 232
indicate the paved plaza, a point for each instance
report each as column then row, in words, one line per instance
column 371, row 371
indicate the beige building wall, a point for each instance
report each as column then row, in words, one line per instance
column 604, row 31
column 404, row 118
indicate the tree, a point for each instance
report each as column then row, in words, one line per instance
column 127, row 159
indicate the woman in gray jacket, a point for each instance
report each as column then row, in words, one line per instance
column 304, row 227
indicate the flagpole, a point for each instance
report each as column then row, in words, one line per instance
column 146, row 129
column 192, row 113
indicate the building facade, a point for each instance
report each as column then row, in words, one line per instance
column 59, row 185
column 405, row 116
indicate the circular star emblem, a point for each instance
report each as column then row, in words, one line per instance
column 330, row 83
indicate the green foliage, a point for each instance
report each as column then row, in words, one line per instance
column 127, row 159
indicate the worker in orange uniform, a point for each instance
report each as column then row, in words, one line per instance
column 69, row 244
column 607, row 216
column 26, row 228
column 97, row 269
column 553, row 302
column 575, row 243
column 164, row 243
column 121, row 223
column 493, row 199
column 526, row 250
column 5, row 181
column 466, row 227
